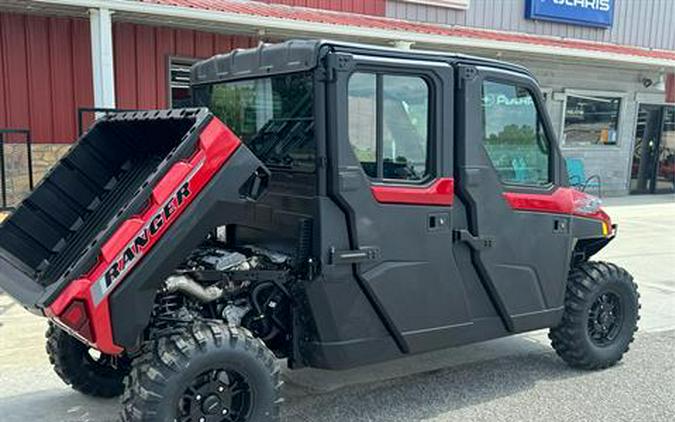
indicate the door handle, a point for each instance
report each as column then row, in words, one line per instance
column 477, row 243
column 363, row 254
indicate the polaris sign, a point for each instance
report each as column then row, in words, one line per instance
column 578, row 12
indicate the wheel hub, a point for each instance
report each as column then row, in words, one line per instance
column 216, row 396
column 211, row 405
column 604, row 319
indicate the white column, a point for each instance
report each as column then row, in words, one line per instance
column 102, row 57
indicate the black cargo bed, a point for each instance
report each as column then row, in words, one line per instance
column 100, row 182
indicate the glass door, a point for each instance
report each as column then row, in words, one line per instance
column 653, row 169
column 665, row 166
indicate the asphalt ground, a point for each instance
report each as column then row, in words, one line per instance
column 512, row 379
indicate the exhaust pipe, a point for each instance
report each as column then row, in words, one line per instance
column 184, row 284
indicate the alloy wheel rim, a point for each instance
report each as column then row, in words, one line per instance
column 605, row 319
column 216, row 395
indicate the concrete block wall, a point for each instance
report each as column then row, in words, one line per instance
column 611, row 162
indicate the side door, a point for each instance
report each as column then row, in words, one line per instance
column 391, row 165
column 509, row 176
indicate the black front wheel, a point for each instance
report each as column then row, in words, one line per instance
column 86, row 370
column 206, row 372
column 601, row 314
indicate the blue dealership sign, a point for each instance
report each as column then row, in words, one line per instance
column 578, row 12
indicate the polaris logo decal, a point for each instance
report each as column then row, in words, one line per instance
column 138, row 246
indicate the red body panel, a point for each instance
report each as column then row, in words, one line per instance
column 216, row 145
column 441, row 192
column 561, row 201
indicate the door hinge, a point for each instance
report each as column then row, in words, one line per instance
column 466, row 74
column 476, row 243
column 363, row 254
column 336, row 62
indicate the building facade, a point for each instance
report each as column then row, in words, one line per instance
column 607, row 76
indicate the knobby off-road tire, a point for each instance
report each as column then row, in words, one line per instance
column 88, row 372
column 202, row 373
column 600, row 319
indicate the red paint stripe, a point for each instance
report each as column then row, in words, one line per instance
column 216, row 145
column 440, row 192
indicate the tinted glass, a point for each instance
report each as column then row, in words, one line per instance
column 406, row 114
column 513, row 135
column 273, row 116
column 403, row 131
column 362, row 120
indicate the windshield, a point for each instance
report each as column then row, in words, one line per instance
column 273, row 116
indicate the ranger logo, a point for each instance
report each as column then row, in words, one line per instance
column 138, row 246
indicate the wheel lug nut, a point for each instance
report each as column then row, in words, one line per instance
column 199, row 397
column 221, row 389
column 225, row 412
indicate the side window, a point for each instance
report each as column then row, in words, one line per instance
column 514, row 137
column 389, row 125
column 362, row 120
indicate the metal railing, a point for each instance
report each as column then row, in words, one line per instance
column 3, row 168
column 4, row 138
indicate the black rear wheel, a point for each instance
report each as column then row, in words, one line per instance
column 600, row 319
column 86, row 370
column 206, row 372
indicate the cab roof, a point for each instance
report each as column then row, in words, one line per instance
column 303, row 55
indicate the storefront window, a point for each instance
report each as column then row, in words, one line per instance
column 591, row 120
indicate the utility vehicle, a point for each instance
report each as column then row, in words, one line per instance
column 326, row 203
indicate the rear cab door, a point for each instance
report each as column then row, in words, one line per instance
column 508, row 177
column 391, row 173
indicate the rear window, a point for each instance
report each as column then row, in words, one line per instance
column 273, row 116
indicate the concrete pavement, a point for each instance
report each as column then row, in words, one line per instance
column 511, row 379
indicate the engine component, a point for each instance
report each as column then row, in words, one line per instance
column 274, row 256
column 184, row 284
column 234, row 314
column 223, row 260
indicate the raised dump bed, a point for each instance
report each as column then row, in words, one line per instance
column 108, row 177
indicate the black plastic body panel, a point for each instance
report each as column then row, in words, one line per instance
column 420, row 290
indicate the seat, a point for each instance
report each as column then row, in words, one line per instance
column 576, row 173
